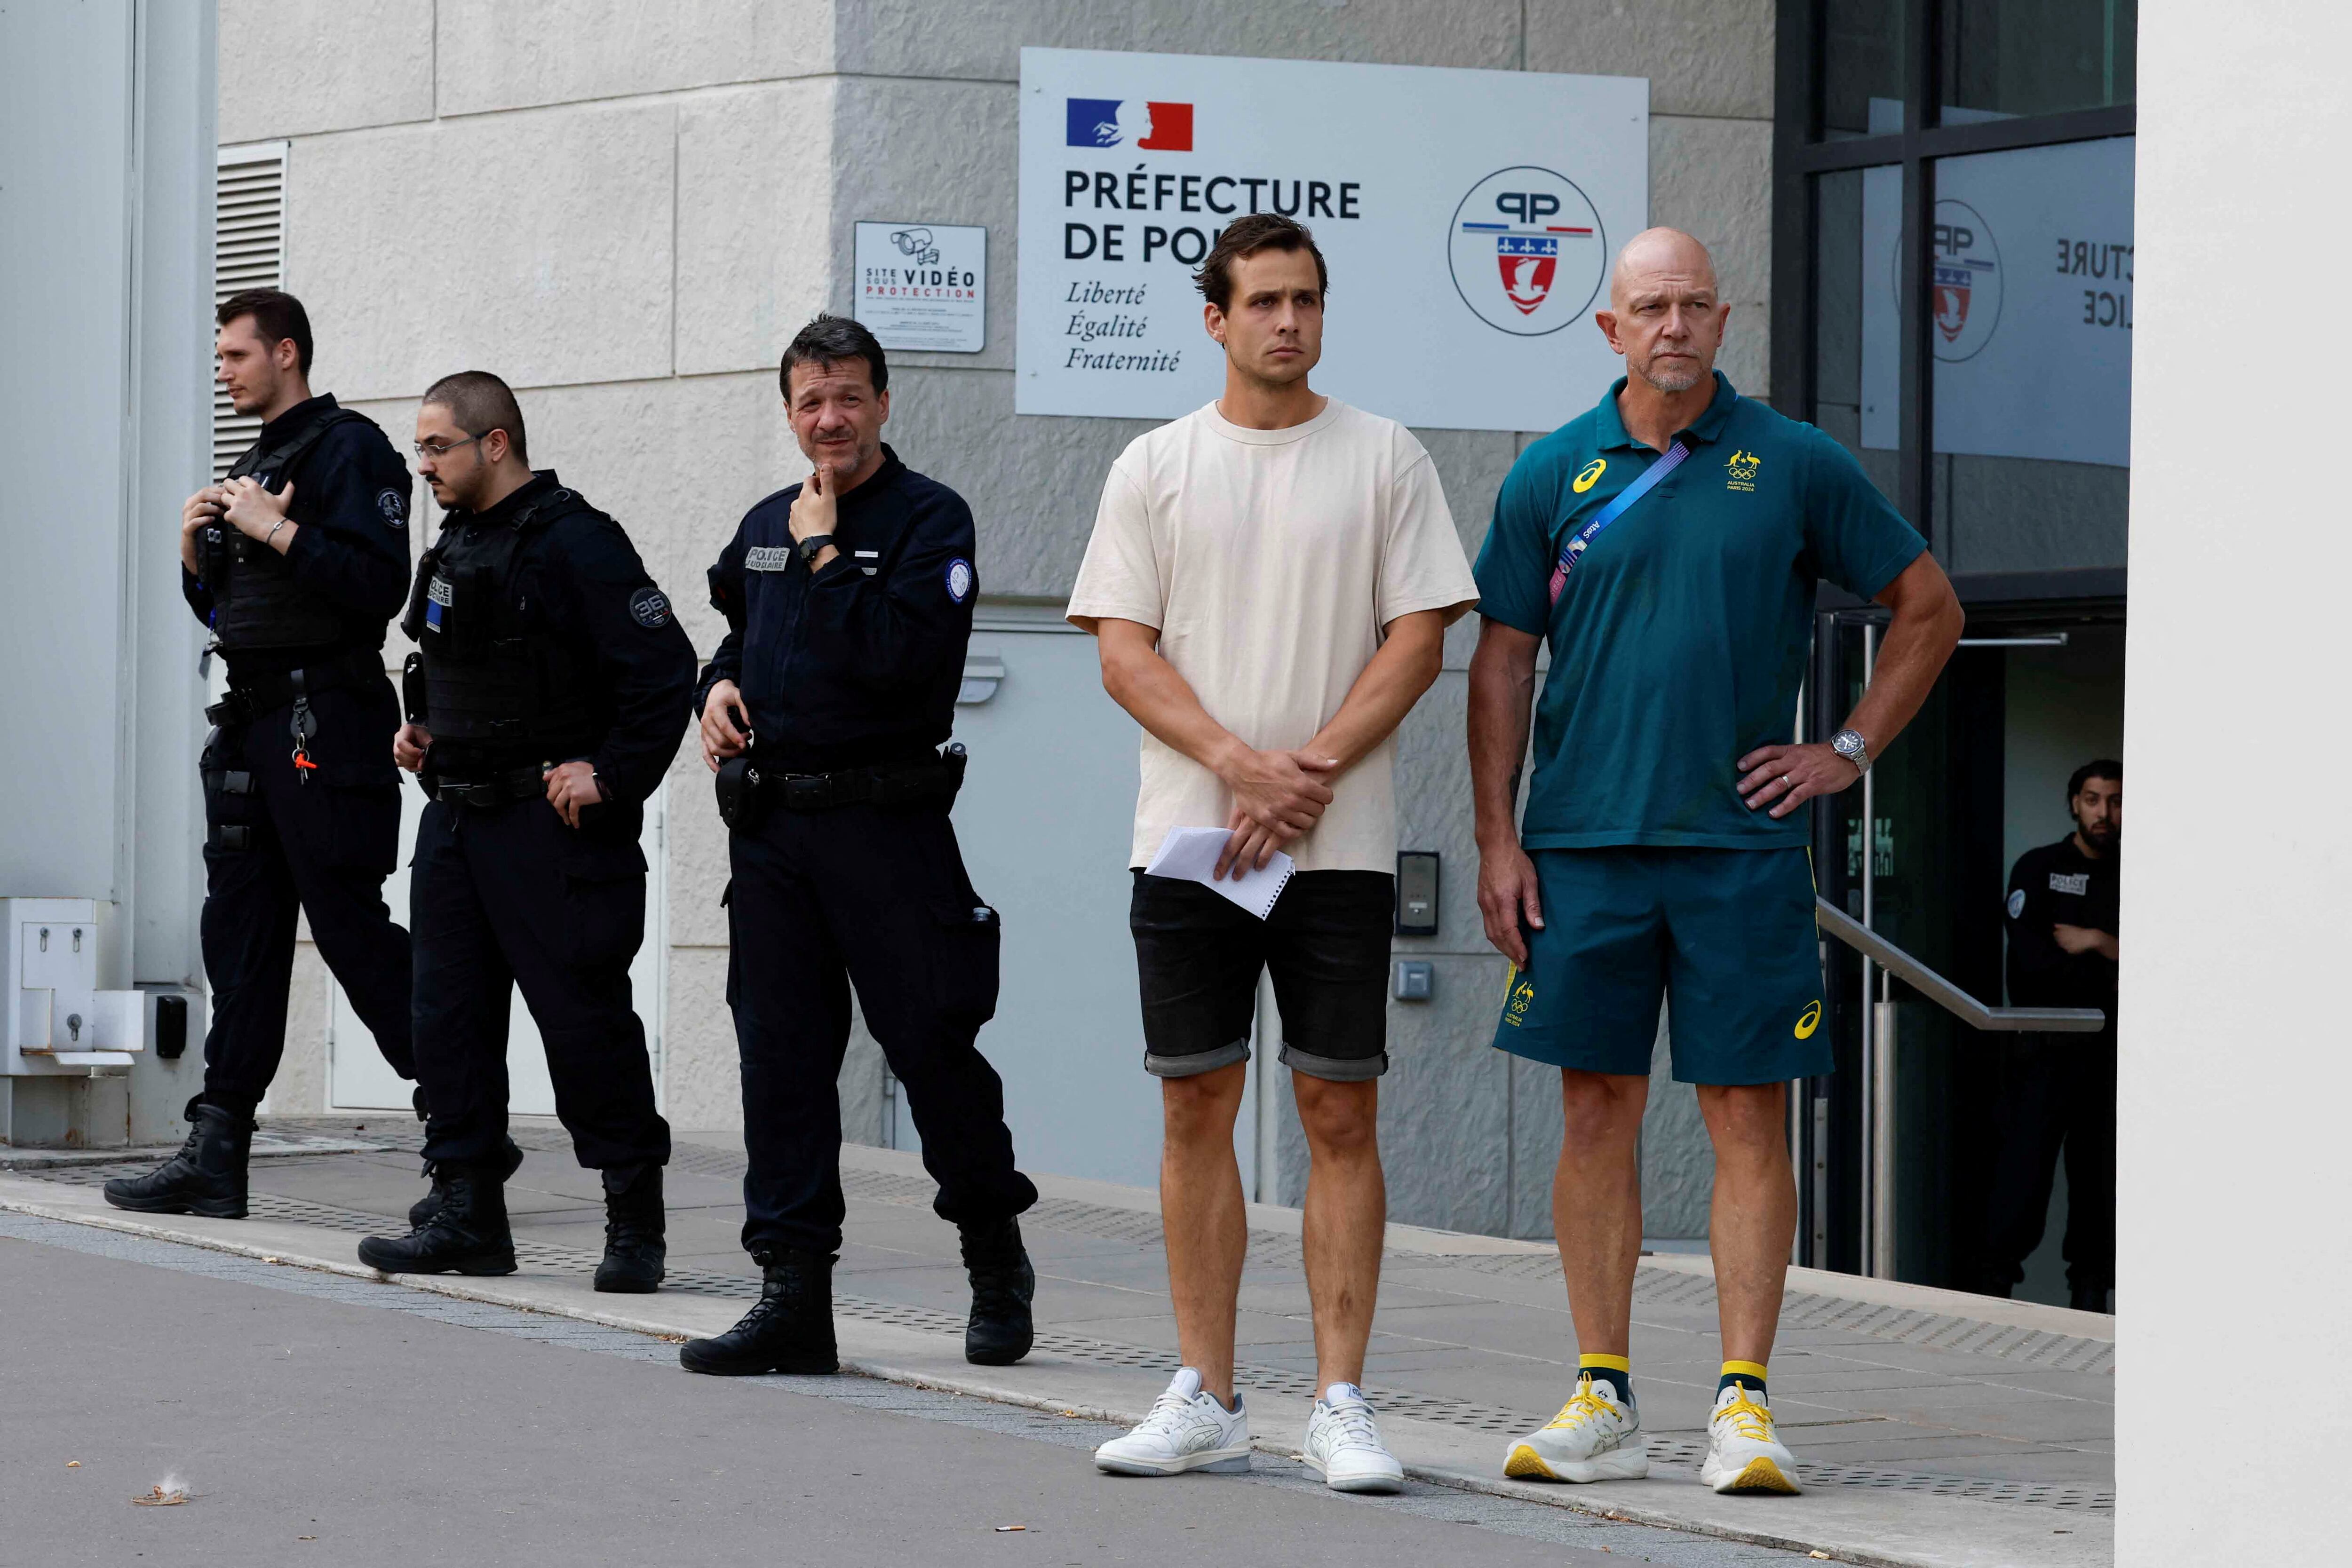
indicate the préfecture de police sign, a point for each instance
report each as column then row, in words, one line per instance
column 1469, row 218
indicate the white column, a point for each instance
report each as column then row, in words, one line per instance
column 2235, row 1287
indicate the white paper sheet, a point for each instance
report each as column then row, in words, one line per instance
column 1191, row 854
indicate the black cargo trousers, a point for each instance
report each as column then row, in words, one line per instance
column 874, row 896
column 505, row 897
column 279, row 838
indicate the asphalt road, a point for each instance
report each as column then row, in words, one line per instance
column 320, row 1421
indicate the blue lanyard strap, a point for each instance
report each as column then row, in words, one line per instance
column 1619, row 504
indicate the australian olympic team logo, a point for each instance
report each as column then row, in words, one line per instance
column 1527, row 249
column 1964, row 283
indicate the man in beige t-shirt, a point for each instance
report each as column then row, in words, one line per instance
column 1270, row 578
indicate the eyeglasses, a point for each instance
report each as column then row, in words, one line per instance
column 438, row 450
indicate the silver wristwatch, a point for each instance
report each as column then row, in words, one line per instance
column 1849, row 744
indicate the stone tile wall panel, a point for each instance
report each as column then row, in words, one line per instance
column 983, row 38
column 409, row 274
column 514, row 54
column 756, row 237
column 1702, row 57
column 295, row 67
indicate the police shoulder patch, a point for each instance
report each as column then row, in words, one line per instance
column 959, row 580
column 393, row 506
column 2017, row 903
column 650, row 606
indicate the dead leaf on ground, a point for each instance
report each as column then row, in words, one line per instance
column 73, row 1464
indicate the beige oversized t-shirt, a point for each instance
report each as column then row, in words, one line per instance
column 1269, row 561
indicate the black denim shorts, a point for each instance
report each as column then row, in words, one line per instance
column 1198, row 954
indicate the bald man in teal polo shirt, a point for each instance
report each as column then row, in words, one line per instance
column 1667, row 546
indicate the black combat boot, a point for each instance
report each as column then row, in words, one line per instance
column 421, row 1211
column 466, row 1235
column 790, row 1329
column 999, row 1331
column 633, row 1249
column 206, row 1176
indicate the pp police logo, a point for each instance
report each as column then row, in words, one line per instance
column 1966, row 286
column 394, row 507
column 1528, row 251
column 2016, row 903
column 959, row 579
column 650, row 607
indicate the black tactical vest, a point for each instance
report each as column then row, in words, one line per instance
column 490, row 680
column 257, row 603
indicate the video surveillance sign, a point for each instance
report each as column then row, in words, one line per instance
column 1469, row 219
column 924, row 286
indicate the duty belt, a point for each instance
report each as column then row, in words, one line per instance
column 490, row 790
column 746, row 789
column 258, row 694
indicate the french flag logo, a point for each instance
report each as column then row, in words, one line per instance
column 1130, row 122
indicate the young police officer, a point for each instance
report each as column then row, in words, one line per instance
column 848, row 601
column 555, row 682
column 296, row 562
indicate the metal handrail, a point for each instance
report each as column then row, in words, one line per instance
column 1837, row 922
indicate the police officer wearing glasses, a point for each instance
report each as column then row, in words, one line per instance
column 848, row 601
column 546, row 702
column 297, row 561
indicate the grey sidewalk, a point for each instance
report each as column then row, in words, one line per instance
column 1931, row 1429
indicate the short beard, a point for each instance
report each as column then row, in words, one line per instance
column 1670, row 381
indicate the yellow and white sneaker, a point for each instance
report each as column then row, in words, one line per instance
column 1593, row 1439
column 1742, row 1452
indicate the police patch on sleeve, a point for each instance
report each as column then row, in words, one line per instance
column 394, row 508
column 2017, row 903
column 959, row 580
column 650, row 606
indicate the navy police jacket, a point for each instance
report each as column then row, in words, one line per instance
column 858, row 663
column 351, row 542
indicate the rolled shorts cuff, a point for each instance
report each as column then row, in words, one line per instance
column 1335, row 1069
column 1193, row 1063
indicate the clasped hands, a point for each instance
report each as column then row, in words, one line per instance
column 1277, row 796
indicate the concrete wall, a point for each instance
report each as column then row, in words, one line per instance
column 627, row 209
column 2233, row 1005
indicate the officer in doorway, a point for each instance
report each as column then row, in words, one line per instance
column 549, row 697
column 297, row 561
column 2059, row 1090
column 848, row 601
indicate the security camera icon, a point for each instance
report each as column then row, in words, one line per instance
column 916, row 244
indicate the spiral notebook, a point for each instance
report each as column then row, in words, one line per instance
column 1191, row 854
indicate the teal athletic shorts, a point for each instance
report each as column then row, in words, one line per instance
column 1727, row 937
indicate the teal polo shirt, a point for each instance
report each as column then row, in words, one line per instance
column 1679, row 642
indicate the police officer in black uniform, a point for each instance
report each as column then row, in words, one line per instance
column 297, row 562
column 848, row 602
column 549, row 697
column 2059, row 1090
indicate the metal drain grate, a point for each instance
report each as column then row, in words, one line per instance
column 1652, row 1286
column 1679, row 1449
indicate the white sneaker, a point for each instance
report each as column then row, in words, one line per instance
column 1343, row 1443
column 1187, row 1430
column 1595, row 1437
column 1742, row 1453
